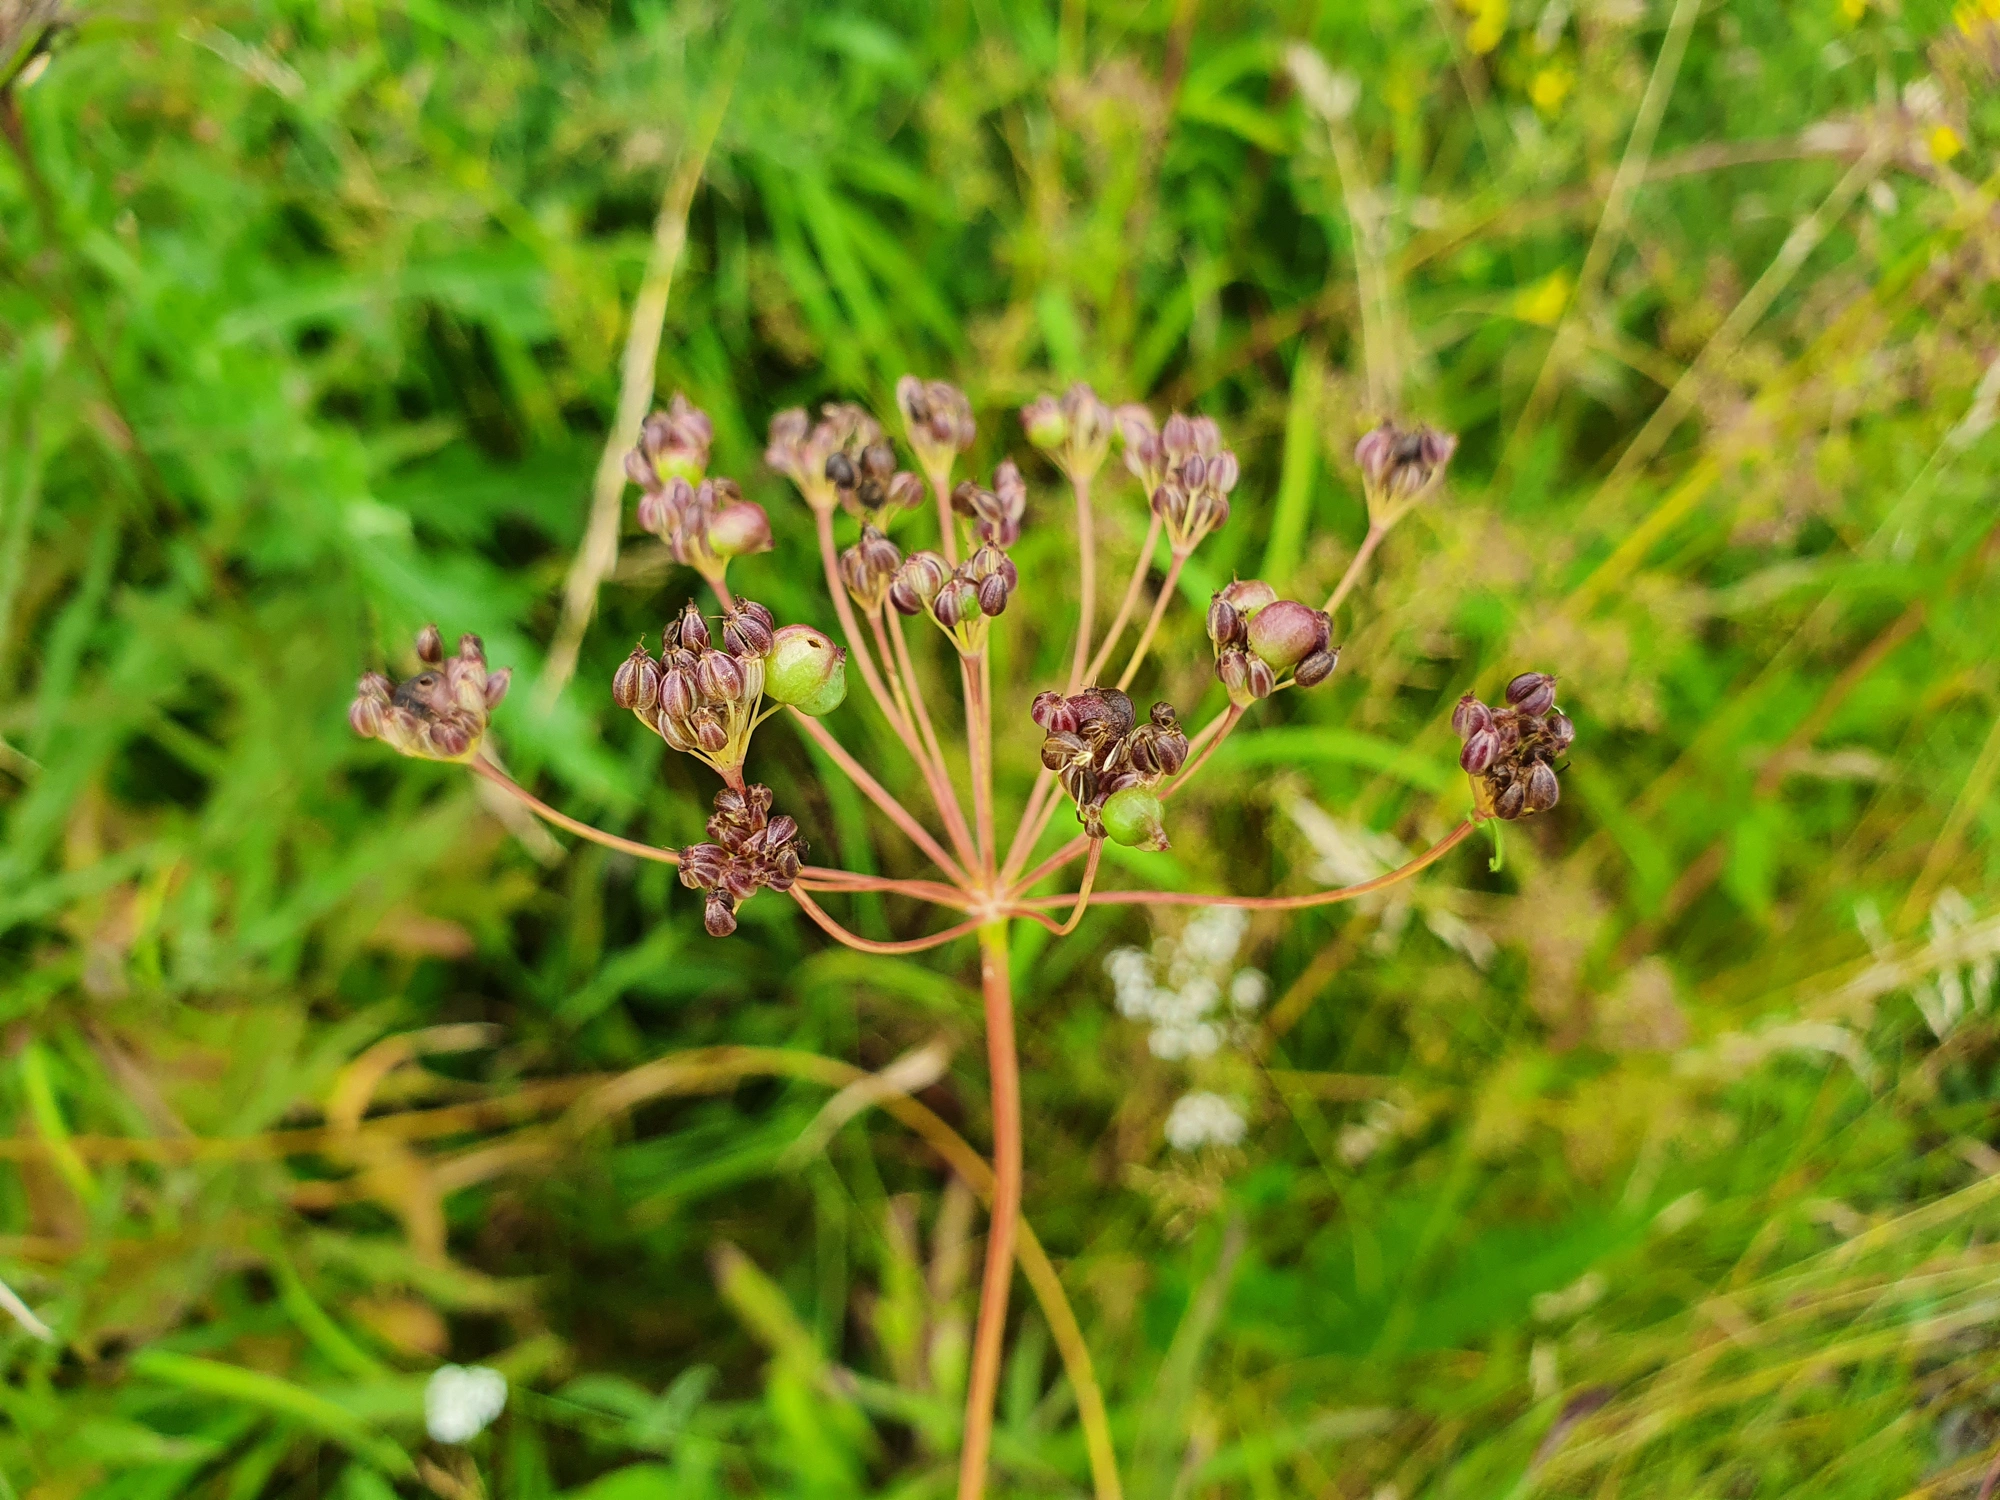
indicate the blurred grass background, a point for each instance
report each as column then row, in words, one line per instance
column 1658, row 1162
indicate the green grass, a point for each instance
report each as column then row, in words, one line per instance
column 310, row 319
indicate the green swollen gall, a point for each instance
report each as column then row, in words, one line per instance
column 805, row 670
column 1133, row 817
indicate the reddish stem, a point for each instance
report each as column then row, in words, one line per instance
column 1153, row 621
column 1131, row 602
column 1213, row 733
column 954, row 815
column 898, row 814
column 1086, row 542
column 483, row 767
column 1376, row 531
column 1429, row 857
column 868, row 945
column 996, row 986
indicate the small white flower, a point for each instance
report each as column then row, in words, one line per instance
column 461, row 1401
column 1249, row 990
column 1203, row 1119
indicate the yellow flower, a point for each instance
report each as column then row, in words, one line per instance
column 1550, row 88
column 1543, row 303
column 1854, row 10
column 1944, row 143
column 1489, row 24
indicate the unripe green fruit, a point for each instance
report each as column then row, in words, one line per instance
column 806, row 670
column 1132, row 817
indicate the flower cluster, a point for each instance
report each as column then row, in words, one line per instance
column 751, row 850
column 1400, row 465
column 938, row 418
column 1204, row 1119
column 801, row 448
column 439, row 714
column 1510, row 753
column 1109, row 763
column 1195, row 999
column 1073, row 429
column 959, row 600
column 1185, row 470
column 703, row 698
column 1259, row 638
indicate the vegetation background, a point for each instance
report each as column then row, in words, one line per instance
column 1658, row 1162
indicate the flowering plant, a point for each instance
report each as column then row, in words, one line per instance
column 715, row 680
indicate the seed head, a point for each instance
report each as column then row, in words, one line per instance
column 869, row 567
column 1511, row 752
column 996, row 513
column 1074, row 430
column 938, row 418
column 672, row 442
column 439, row 714
column 636, row 683
column 749, row 851
column 1533, row 693
column 1098, row 750
column 1401, row 464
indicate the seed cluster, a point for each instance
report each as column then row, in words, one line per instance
column 439, row 714
column 1185, row 469
column 698, row 697
column 751, row 850
column 1399, row 465
column 1260, row 638
column 704, row 522
column 801, row 448
column 959, row 600
column 1101, row 753
column 1510, row 753
column 1073, row 429
column 938, row 418
column 870, row 485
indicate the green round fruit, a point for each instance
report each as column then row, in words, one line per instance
column 805, row 668
column 829, row 697
column 1133, row 817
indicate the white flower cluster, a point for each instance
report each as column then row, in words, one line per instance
column 1204, row 1119
column 1179, row 986
column 461, row 1401
column 1179, row 990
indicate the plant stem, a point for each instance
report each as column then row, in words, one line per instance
column 1423, row 861
column 857, row 645
column 853, row 940
column 978, row 740
column 1376, row 531
column 1004, row 1069
column 898, row 814
column 1215, row 732
column 1152, row 621
column 1086, row 542
column 937, row 776
column 947, row 530
column 507, row 784
column 954, row 815
column 1131, row 602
